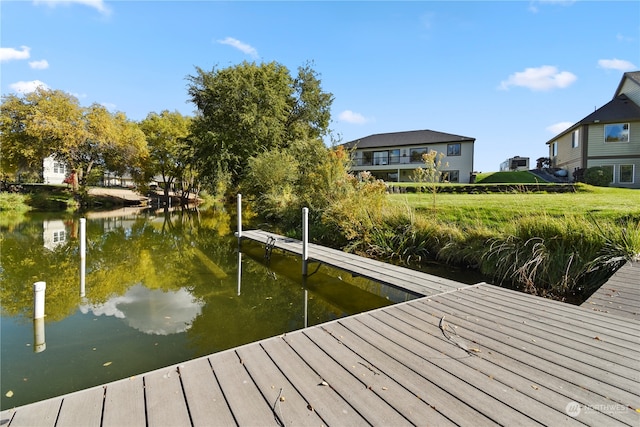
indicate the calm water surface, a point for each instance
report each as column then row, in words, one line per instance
column 159, row 288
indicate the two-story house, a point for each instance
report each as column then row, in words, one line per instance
column 393, row 157
column 609, row 137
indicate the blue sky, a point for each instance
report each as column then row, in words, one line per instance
column 509, row 73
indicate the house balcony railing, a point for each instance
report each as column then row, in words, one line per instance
column 380, row 161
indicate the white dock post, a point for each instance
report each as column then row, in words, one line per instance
column 239, row 232
column 83, row 237
column 83, row 255
column 38, row 316
column 38, row 299
column 305, row 239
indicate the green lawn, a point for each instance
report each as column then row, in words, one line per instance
column 519, row 177
column 495, row 208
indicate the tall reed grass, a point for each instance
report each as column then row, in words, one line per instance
column 558, row 256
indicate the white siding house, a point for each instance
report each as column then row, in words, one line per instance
column 54, row 171
column 393, row 157
column 609, row 137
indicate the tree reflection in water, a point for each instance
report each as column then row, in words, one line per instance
column 160, row 288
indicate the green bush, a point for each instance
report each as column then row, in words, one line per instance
column 598, row 176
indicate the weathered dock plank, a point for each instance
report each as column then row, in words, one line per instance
column 620, row 295
column 203, row 393
column 364, row 401
column 165, row 402
column 82, row 409
column 245, row 399
column 330, row 406
column 287, row 402
column 124, row 403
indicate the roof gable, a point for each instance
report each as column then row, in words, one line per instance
column 619, row 109
column 399, row 139
column 634, row 76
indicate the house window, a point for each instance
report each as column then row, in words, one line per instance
column 618, row 132
column 58, row 236
column 380, row 157
column 453, row 149
column 416, row 154
column 450, row 176
column 554, row 148
column 625, row 174
column 575, row 138
column 367, row 158
column 59, row 167
column 394, row 156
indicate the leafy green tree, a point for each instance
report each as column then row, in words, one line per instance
column 40, row 124
column 169, row 152
column 248, row 109
column 51, row 122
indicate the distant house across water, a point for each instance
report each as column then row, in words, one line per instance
column 393, row 157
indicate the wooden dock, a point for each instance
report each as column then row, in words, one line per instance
column 620, row 295
column 468, row 355
column 421, row 284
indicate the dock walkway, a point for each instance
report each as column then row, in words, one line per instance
column 620, row 295
column 474, row 355
column 417, row 282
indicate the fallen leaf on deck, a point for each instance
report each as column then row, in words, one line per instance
column 107, row 363
column 9, row 394
column 535, row 387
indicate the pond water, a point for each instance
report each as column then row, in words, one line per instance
column 159, row 288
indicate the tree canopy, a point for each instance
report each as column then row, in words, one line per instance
column 249, row 108
column 169, row 151
column 52, row 123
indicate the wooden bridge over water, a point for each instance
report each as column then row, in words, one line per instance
column 461, row 355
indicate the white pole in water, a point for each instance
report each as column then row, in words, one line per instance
column 83, row 254
column 83, row 237
column 38, row 299
column 39, row 342
column 305, row 239
column 239, row 232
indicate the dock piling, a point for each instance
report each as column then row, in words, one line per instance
column 305, row 239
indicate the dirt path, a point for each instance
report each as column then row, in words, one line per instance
column 120, row 193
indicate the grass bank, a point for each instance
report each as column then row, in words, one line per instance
column 559, row 245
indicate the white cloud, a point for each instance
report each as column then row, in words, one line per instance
column 351, row 117
column 533, row 5
column 99, row 5
column 39, row 65
column 27, row 87
column 243, row 47
column 559, row 127
column 622, row 38
column 616, row 64
column 546, row 77
column 10, row 53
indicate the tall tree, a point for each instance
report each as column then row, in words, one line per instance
column 246, row 109
column 169, row 153
column 36, row 126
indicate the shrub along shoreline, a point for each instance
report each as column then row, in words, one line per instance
column 560, row 245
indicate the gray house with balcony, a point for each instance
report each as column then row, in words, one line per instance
column 393, row 157
column 609, row 137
